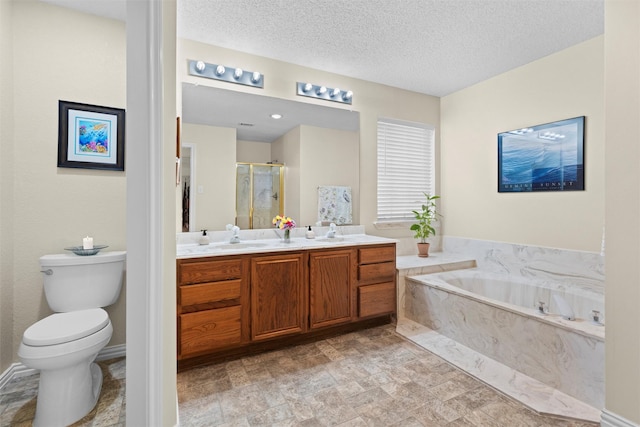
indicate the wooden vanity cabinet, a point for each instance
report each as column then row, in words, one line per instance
column 278, row 295
column 376, row 294
column 332, row 274
column 238, row 304
column 212, row 300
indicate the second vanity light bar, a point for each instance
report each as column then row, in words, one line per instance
column 226, row 74
column 323, row 92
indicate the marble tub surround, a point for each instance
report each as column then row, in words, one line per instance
column 537, row 396
column 413, row 265
column 523, row 296
column 574, row 268
column 257, row 241
column 566, row 358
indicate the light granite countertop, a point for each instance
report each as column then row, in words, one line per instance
column 222, row 248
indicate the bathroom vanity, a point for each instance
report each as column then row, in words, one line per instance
column 265, row 294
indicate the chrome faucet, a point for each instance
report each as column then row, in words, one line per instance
column 235, row 233
column 332, row 231
column 541, row 307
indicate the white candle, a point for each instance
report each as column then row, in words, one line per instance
column 87, row 243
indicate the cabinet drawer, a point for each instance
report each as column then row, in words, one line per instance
column 376, row 254
column 209, row 271
column 209, row 330
column 376, row 273
column 205, row 293
column 376, row 299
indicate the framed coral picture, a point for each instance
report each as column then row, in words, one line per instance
column 90, row 136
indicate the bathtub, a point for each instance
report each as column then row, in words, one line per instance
column 497, row 315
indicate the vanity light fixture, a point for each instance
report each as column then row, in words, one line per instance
column 323, row 92
column 226, row 74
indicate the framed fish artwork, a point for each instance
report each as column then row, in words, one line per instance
column 90, row 136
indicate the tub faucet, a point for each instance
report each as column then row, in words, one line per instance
column 235, row 233
column 541, row 307
column 332, row 231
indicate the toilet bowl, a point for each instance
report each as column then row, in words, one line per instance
column 64, row 345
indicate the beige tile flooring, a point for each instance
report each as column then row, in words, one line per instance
column 372, row 377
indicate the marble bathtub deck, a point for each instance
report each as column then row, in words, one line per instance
column 532, row 393
column 373, row 377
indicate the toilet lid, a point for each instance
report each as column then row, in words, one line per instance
column 64, row 327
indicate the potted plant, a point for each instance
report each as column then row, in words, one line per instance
column 424, row 228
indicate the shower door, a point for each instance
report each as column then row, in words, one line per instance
column 259, row 194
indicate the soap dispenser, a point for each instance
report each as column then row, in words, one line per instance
column 310, row 234
column 204, row 239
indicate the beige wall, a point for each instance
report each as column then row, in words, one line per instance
column 253, row 152
column 371, row 100
column 321, row 151
column 560, row 86
column 215, row 170
column 287, row 150
column 622, row 109
column 57, row 55
column 7, row 354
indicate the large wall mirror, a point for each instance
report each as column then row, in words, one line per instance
column 223, row 130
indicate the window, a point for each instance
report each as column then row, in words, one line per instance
column 406, row 168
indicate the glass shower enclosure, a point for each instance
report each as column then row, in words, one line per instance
column 259, row 194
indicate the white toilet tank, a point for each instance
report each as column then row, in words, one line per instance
column 73, row 282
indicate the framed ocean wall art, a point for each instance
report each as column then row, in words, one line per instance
column 547, row 157
column 90, row 136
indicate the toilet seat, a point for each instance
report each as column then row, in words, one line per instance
column 60, row 328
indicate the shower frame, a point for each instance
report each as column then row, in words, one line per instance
column 251, row 166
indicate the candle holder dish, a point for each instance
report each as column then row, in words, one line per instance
column 79, row 250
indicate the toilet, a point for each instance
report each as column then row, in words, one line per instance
column 64, row 345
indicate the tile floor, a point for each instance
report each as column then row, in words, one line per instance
column 367, row 378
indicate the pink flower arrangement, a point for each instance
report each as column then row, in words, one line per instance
column 283, row 222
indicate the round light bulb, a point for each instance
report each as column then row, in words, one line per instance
column 307, row 87
column 255, row 77
column 237, row 74
column 200, row 66
column 335, row 92
column 322, row 90
column 347, row 95
column 220, row 70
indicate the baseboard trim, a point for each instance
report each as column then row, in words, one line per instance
column 112, row 352
column 18, row 370
column 609, row 419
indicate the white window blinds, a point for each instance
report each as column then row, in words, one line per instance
column 406, row 168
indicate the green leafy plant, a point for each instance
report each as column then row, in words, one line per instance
column 425, row 217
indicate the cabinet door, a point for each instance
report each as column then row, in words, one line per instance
column 331, row 278
column 209, row 330
column 278, row 296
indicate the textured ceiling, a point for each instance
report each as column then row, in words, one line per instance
column 434, row 47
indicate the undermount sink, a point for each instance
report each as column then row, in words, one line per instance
column 232, row 246
column 330, row 239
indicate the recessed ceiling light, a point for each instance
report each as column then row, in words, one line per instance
column 276, row 116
